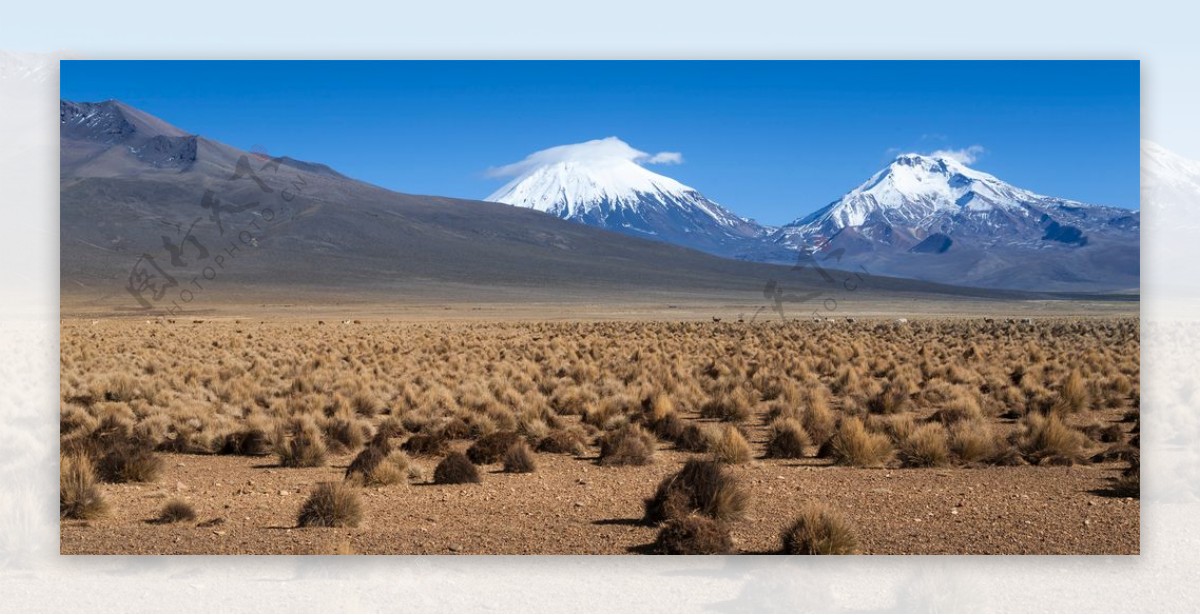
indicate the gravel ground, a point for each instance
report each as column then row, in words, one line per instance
column 571, row 505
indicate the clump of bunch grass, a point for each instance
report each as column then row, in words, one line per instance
column 731, row 406
column 731, row 447
column 563, row 441
column 331, row 505
column 658, row 407
column 925, row 447
column 1072, row 394
column 818, row 530
column 701, row 487
column 693, row 535
column 118, row 453
column 628, row 445
column 1048, row 440
column 818, row 420
column 960, row 407
column 175, row 511
column 129, row 462
column 366, row 404
column 1105, row 434
column 456, row 469
column 854, row 445
column 892, row 399
column 345, row 432
column 788, row 440
column 695, row 438
column 492, row 447
column 299, row 443
column 519, row 459
column 250, row 442
column 78, row 495
column 670, row 427
column 428, row 444
column 974, row 441
column 379, row 464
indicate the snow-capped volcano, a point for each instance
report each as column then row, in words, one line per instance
column 604, row 183
column 934, row 218
column 920, row 191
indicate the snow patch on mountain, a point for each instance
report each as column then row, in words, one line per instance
column 914, row 190
column 932, row 217
column 603, row 180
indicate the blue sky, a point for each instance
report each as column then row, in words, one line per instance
column 769, row 140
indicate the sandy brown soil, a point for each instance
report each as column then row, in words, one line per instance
column 573, row 506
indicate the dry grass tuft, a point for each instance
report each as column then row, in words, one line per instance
column 564, row 442
column 702, row 487
column 693, row 535
column 893, row 399
column 519, row 459
column 366, row 404
column 426, row 444
column 251, row 442
column 818, row 530
column 788, row 440
column 629, row 445
column 926, row 447
column 78, row 495
column 176, row 511
column 1072, row 394
column 456, row 469
column 129, row 462
column 731, row 447
column 492, row 447
column 1048, row 440
column 818, row 420
column 344, row 432
column 378, row 465
column 1105, row 434
column 331, row 505
column 853, row 445
column 731, row 406
column 365, row 462
column 695, row 438
column 396, row 468
column 961, row 407
column 974, row 441
column 299, row 443
column 658, row 408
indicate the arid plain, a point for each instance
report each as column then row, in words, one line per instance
column 976, row 428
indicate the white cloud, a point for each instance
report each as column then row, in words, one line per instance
column 966, row 155
column 595, row 151
column 666, row 158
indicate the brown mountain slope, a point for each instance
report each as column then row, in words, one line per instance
column 153, row 215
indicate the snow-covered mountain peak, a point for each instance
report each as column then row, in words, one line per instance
column 913, row 176
column 576, row 186
column 916, row 187
column 604, row 182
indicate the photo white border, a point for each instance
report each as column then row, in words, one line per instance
column 34, row 577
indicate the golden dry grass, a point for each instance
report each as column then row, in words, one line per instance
column 930, row 393
column 818, row 530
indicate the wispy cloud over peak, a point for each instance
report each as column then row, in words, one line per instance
column 596, row 151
